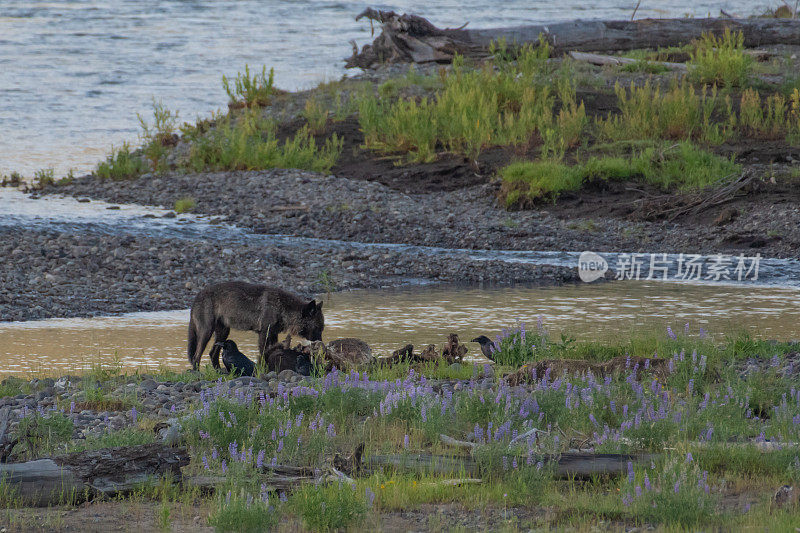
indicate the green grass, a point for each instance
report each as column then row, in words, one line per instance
column 250, row 90
column 158, row 135
column 679, row 167
column 331, row 507
column 250, row 142
column 184, row 205
column 721, row 60
column 121, row 164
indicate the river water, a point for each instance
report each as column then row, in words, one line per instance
column 386, row 319
column 74, row 73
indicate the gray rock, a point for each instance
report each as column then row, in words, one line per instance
column 148, row 385
column 287, row 375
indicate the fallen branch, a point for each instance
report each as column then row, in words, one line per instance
column 566, row 465
column 411, row 38
column 83, row 475
column 597, row 59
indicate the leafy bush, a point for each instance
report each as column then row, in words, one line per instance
column 250, row 91
column 250, row 143
column 121, row 164
column 331, row 507
column 721, row 60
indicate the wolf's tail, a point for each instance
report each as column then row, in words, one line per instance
column 192, row 341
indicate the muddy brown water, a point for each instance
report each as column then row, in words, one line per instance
column 388, row 318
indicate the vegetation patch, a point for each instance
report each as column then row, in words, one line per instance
column 681, row 166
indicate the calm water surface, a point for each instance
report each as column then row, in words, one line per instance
column 74, row 73
column 387, row 319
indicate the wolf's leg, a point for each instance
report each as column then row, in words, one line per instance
column 221, row 333
column 266, row 339
column 204, row 336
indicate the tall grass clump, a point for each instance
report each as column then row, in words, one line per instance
column 777, row 117
column 331, row 507
column 237, row 512
column 158, row 135
column 121, row 164
column 478, row 108
column 249, row 142
column 248, row 90
column 678, row 113
column 721, row 60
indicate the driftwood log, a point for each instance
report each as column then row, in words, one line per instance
column 567, row 465
column 82, row 475
column 413, row 39
column 599, row 59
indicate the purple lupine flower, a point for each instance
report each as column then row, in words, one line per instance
column 260, row 459
column 224, row 466
column 593, row 419
column 638, row 490
column 686, row 328
column 703, row 333
column 280, row 446
column 133, row 414
column 646, row 482
column 331, row 431
column 627, row 499
column 689, row 457
column 677, row 486
column 405, row 441
column 631, row 475
column 370, row 496
column 205, row 462
column 671, row 334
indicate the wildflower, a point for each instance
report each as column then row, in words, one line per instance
column 631, row 475
column 280, row 446
column 646, row 482
column 405, row 441
column 260, row 459
column 689, row 457
column 133, row 414
column 205, row 462
column 638, row 491
column 686, row 328
column 224, row 466
column 677, row 486
column 671, row 334
column 331, row 431
column 370, row 496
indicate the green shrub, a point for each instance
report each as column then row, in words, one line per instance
column 157, row 136
column 331, row 507
column 121, row 164
column 244, row 513
column 184, row 205
column 250, row 91
column 721, row 61
column 249, row 142
column 41, row 434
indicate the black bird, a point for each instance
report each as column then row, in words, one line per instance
column 235, row 361
column 487, row 346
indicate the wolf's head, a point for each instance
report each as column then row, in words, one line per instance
column 310, row 322
column 302, row 365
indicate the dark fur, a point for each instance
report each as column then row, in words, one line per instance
column 487, row 346
column 245, row 306
column 234, row 360
column 280, row 358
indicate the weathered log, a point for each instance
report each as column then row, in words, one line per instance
column 75, row 476
column 598, row 59
column 566, row 465
column 413, row 39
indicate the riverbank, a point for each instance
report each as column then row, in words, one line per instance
column 715, row 427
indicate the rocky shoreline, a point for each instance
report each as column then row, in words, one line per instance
column 308, row 204
column 48, row 273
